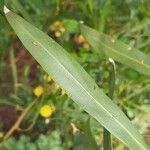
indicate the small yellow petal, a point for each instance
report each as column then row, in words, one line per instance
column 38, row 91
column 46, row 111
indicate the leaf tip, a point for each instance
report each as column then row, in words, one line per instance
column 113, row 63
column 81, row 22
column 111, row 60
column 6, row 10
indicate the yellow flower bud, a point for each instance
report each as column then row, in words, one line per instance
column 62, row 29
column 38, row 91
column 56, row 86
column 57, row 23
column 57, row 34
column 86, row 46
column 46, row 111
column 81, row 39
column 47, row 78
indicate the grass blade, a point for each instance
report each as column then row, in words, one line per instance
column 75, row 80
column 117, row 50
column 14, row 69
column 112, row 74
column 91, row 142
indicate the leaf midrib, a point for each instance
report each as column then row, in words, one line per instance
column 36, row 40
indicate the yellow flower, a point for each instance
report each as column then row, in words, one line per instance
column 62, row 29
column 47, row 78
column 81, row 39
column 57, row 23
column 56, row 86
column 38, row 91
column 57, row 34
column 46, row 111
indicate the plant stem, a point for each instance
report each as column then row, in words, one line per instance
column 19, row 120
column 14, row 69
column 107, row 136
column 35, row 117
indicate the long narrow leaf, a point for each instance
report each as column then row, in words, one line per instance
column 75, row 80
column 117, row 50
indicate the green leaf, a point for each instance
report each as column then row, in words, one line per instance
column 9, row 144
column 117, row 50
column 71, row 25
column 84, row 139
column 52, row 141
column 76, row 81
column 1, row 7
column 90, row 5
column 90, row 140
column 78, row 141
column 112, row 77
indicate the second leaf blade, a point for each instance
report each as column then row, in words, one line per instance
column 117, row 50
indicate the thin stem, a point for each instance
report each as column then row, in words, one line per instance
column 14, row 69
column 107, row 136
column 18, row 122
column 35, row 117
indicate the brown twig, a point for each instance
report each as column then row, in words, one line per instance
column 19, row 120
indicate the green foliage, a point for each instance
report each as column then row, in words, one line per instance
column 52, row 141
column 1, row 7
column 71, row 25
